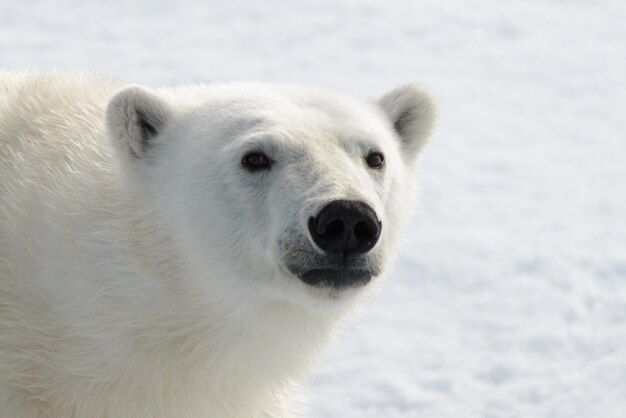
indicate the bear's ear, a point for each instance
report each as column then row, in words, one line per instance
column 412, row 112
column 135, row 116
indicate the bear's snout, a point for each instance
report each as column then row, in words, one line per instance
column 345, row 227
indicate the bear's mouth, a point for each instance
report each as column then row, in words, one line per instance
column 337, row 278
column 332, row 272
column 329, row 270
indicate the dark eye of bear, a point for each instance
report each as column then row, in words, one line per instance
column 255, row 161
column 375, row 160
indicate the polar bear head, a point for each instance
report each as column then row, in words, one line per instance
column 273, row 192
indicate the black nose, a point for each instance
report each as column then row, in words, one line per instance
column 345, row 226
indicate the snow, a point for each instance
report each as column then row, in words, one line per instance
column 509, row 297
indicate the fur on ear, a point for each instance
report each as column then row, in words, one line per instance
column 135, row 115
column 412, row 112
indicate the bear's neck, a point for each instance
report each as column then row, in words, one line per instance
column 229, row 363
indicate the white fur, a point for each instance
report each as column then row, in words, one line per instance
column 141, row 275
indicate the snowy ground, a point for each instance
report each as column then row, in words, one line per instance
column 509, row 299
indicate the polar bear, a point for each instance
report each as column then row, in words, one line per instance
column 187, row 252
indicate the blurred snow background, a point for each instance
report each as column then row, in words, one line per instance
column 509, row 298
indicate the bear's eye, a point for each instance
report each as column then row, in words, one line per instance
column 255, row 161
column 375, row 160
